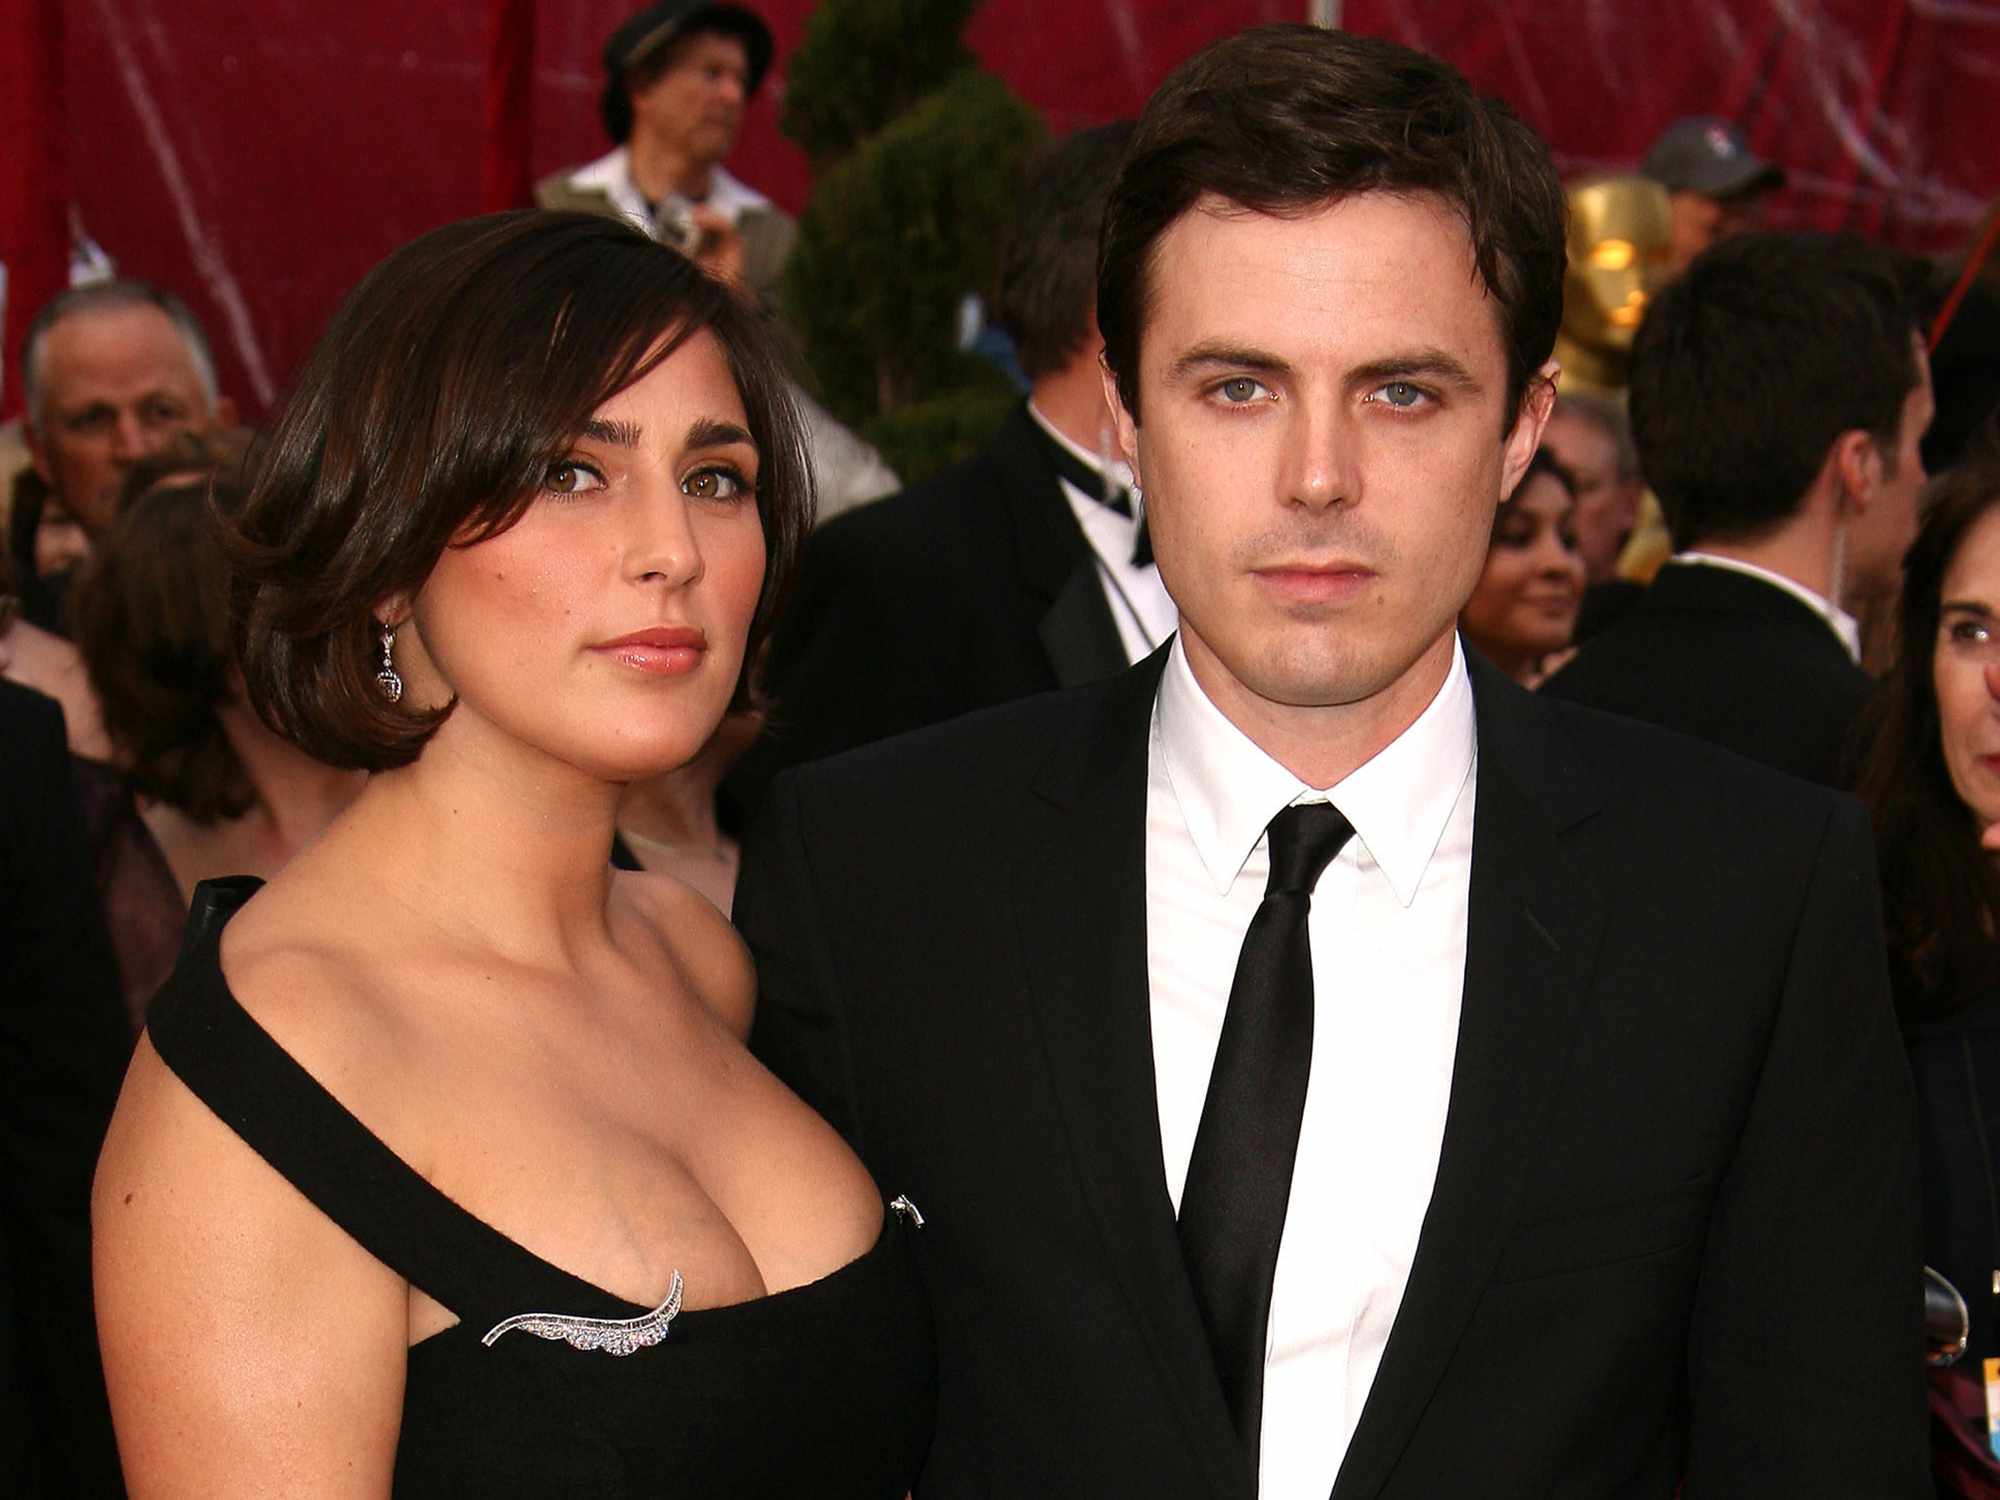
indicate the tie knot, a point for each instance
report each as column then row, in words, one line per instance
column 1304, row 841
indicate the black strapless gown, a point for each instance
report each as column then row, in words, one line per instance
column 825, row 1390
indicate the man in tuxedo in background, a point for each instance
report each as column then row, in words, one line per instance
column 1324, row 1067
column 1016, row 572
column 1779, row 396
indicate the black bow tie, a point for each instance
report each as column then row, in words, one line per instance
column 1100, row 487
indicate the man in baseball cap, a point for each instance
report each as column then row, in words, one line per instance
column 678, row 76
column 1715, row 183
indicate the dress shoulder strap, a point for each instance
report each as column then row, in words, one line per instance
column 288, row 1117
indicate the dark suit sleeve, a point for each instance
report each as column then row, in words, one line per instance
column 64, row 1042
column 798, row 1032
column 1805, row 1358
column 854, row 658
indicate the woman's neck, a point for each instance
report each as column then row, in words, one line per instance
column 676, row 810
column 498, row 844
column 296, row 796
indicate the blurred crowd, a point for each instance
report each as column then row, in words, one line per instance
column 1765, row 513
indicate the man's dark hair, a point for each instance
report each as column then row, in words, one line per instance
column 1749, row 366
column 1285, row 119
column 1047, row 296
column 428, row 415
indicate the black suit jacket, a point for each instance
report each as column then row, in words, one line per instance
column 1732, row 660
column 64, row 1042
column 1674, row 1227
column 973, row 589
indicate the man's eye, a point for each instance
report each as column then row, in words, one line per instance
column 160, row 412
column 1401, row 394
column 718, row 482
column 1241, row 389
column 94, row 420
column 569, row 478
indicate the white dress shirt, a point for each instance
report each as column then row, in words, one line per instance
column 1838, row 620
column 1145, row 616
column 1387, row 929
column 612, row 174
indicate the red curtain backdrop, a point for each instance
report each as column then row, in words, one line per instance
column 259, row 155
column 34, row 186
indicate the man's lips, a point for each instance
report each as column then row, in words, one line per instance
column 1315, row 582
column 660, row 650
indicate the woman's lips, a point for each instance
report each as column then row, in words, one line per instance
column 661, row 651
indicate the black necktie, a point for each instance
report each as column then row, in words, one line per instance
column 1240, row 1176
column 1100, row 487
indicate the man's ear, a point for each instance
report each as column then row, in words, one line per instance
column 1856, row 462
column 1123, row 423
column 225, row 411
column 1537, row 401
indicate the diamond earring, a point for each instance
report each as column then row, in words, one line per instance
column 386, row 679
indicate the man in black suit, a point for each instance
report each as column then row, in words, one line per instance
column 1011, row 574
column 64, row 1042
column 1779, row 394
column 1322, row 1066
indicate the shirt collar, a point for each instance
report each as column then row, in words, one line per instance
column 1114, row 469
column 1229, row 790
column 612, row 175
column 1838, row 620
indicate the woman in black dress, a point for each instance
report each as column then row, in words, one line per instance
column 1933, row 786
column 443, row 1167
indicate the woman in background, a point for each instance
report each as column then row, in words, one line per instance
column 442, row 1168
column 1932, row 784
column 1522, row 613
column 224, row 794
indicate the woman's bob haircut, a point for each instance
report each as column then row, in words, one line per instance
column 448, row 382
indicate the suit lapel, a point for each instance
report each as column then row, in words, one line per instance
column 1053, row 561
column 1531, row 938
column 1078, row 634
column 1080, row 894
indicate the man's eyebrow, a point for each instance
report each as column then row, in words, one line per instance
column 1215, row 354
column 1415, row 364
column 617, row 434
column 706, row 432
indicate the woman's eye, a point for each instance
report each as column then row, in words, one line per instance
column 1239, row 390
column 715, row 484
column 1970, row 632
column 571, row 479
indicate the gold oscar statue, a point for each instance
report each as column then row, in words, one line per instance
column 1620, row 252
column 1620, row 235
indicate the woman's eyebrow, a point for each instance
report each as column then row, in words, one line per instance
column 706, row 432
column 617, row 434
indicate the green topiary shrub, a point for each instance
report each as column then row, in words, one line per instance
column 918, row 155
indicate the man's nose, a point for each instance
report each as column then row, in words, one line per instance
column 130, row 440
column 1320, row 456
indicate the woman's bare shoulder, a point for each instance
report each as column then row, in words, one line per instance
column 698, row 940
column 314, row 968
column 206, row 1264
